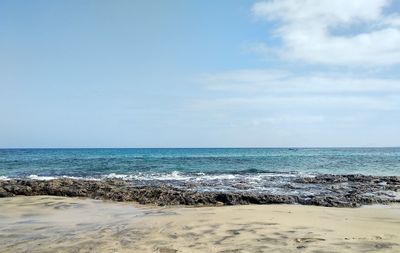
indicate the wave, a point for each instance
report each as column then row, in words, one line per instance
column 201, row 176
column 46, row 178
column 174, row 175
column 247, row 175
column 200, row 181
column 252, row 171
column 36, row 177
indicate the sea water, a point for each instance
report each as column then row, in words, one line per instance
column 207, row 168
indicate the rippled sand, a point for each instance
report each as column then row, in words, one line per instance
column 56, row 224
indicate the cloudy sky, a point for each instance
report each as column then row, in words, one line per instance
column 199, row 73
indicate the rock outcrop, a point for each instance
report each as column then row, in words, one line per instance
column 341, row 191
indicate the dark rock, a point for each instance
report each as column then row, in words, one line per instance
column 340, row 191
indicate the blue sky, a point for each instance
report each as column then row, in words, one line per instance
column 199, row 73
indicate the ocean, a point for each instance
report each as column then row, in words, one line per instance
column 266, row 170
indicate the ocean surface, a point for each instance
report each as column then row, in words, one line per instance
column 262, row 169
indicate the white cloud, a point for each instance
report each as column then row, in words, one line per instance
column 306, row 29
column 298, row 103
column 304, row 119
column 263, row 91
column 284, row 82
column 287, row 119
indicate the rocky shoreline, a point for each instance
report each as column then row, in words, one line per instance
column 339, row 191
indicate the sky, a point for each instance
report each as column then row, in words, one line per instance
column 243, row 73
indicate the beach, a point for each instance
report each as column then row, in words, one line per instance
column 200, row 126
column 60, row 224
column 200, row 200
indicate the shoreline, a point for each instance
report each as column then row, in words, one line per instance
column 337, row 191
column 60, row 224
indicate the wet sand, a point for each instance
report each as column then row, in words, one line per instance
column 57, row 224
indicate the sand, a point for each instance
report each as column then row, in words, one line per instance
column 56, row 224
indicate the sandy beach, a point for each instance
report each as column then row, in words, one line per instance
column 200, row 126
column 58, row 224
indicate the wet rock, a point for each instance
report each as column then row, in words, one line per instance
column 4, row 193
column 337, row 191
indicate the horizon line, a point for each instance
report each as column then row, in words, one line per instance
column 221, row 147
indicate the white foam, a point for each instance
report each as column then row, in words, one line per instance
column 216, row 177
column 79, row 178
column 198, row 177
column 36, row 177
column 4, row 178
column 173, row 176
column 114, row 175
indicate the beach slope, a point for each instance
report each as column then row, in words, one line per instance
column 58, row 224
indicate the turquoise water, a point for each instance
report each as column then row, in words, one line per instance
column 268, row 170
column 168, row 163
